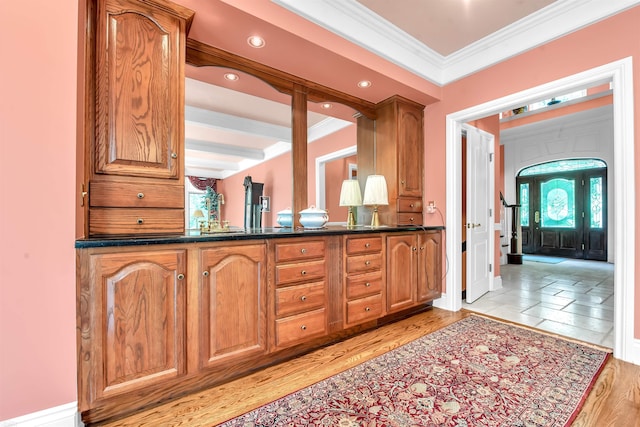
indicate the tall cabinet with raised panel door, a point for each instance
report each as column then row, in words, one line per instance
column 399, row 152
column 136, row 125
column 413, row 269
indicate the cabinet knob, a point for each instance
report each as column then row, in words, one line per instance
column 140, row 195
column 303, row 250
column 367, row 309
column 422, row 248
column 180, row 276
column 205, row 273
column 402, row 182
column 411, row 219
column 414, row 248
column 412, row 205
column 303, row 327
column 140, row 221
column 303, row 272
column 367, row 262
column 303, row 298
column 366, row 285
column 367, row 245
column 174, row 155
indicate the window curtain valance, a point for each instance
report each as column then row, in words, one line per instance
column 203, row 183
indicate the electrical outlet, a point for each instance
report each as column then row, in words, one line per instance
column 265, row 201
column 431, row 207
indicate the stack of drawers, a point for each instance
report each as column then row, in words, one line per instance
column 409, row 210
column 300, row 302
column 363, row 279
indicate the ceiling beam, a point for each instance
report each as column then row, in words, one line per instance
column 224, row 149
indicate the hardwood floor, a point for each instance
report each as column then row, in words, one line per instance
column 614, row 400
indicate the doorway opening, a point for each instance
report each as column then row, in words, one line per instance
column 620, row 75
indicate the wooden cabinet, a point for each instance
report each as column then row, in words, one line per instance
column 413, row 269
column 399, row 150
column 363, row 279
column 136, row 158
column 232, row 316
column 132, row 322
column 300, row 290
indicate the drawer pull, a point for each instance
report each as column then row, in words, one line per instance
column 303, row 327
column 366, row 285
column 180, row 276
column 367, row 262
column 303, row 272
column 367, row 309
column 140, row 195
column 367, row 245
column 303, row 250
column 140, row 221
column 303, row 298
column 411, row 219
column 412, row 205
column 205, row 273
column 174, row 156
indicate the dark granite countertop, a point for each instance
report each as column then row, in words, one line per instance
column 195, row 236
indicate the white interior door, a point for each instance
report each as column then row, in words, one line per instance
column 479, row 212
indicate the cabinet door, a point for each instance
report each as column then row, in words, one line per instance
column 139, row 109
column 136, row 320
column 429, row 266
column 410, row 149
column 233, row 300
column 401, row 271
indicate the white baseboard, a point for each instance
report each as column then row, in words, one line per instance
column 496, row 284
column 59, row 416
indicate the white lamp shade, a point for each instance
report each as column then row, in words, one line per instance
column 350, row 193
column 375, row 191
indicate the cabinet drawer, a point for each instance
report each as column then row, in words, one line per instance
column 136, row 195
column 405, row 218
column 299, row 251
column 362, row 263
column 363, row 245
column 364, row 309
column 364, row 284
column 300, row 298
column 135, row 221
column 409, row 204
column 298, row 328
column 303, row 271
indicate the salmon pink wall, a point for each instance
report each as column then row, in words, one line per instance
column 37, row 205
column 598, row 44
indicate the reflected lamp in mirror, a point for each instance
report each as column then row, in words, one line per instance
column 350, row 196
column 198, row 215
column 375, row 194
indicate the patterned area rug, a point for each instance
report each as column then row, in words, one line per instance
column 475, row 372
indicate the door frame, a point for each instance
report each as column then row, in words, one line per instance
column 620, row 73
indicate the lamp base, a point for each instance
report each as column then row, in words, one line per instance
column 375, row 220
column 351, row 219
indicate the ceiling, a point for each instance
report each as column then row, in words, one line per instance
column 424, row 44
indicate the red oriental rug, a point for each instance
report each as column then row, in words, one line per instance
column 475, row 372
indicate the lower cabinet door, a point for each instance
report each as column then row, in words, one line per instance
column 429, row 266
column 233, row 304
column 132, row 317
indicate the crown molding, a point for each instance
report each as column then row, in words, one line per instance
column 359, row 25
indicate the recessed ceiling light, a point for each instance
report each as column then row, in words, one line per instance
column 231, row 76
column 326, row 105
column 256, row 41
column 364, row 83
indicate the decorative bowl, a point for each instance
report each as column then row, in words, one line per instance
column 285, row 218
column 313, row 217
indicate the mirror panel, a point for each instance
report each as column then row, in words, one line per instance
column 332, row 151
column 233, row 129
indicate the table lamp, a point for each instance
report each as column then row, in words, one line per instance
column 375, row 194
column 350, row 196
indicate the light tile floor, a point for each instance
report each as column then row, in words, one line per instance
column 573, row 298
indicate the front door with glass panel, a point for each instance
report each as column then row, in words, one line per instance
column 563, row 209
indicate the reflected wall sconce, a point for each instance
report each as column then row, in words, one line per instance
column 350, row 196
column 375, row 194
